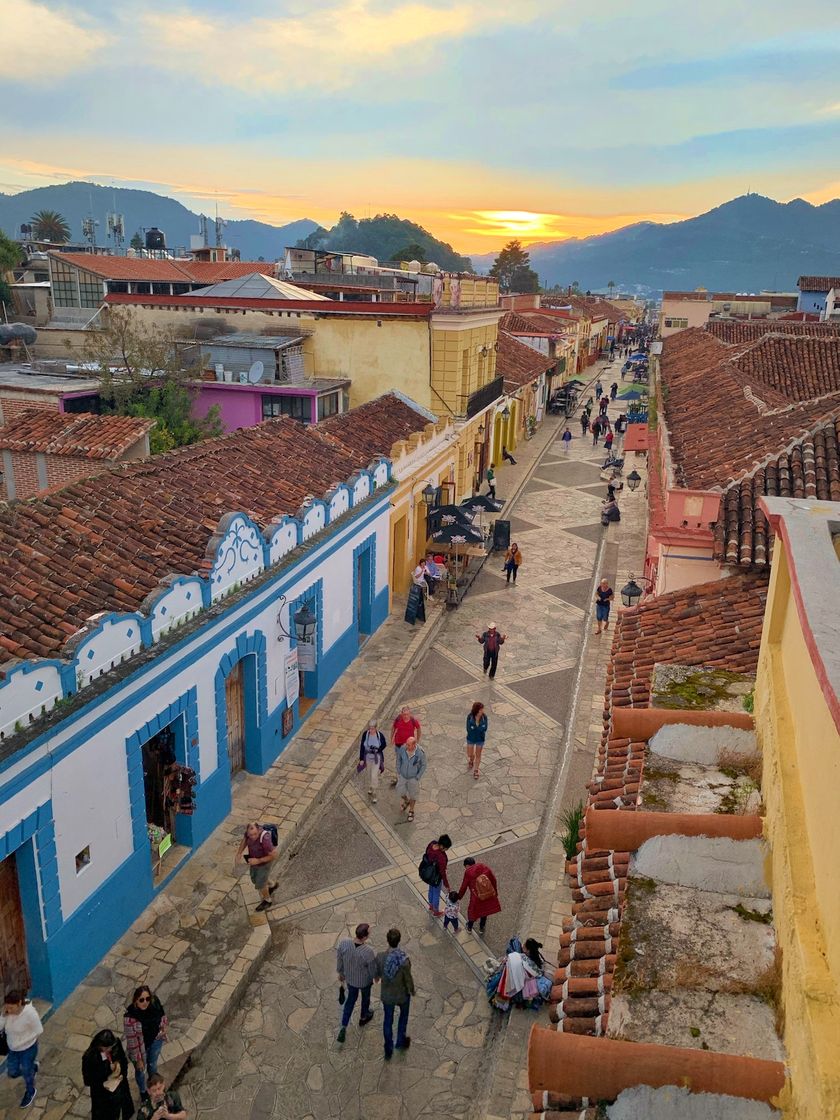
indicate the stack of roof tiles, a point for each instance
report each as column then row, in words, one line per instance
column 519, row 363
column 724, row 419
column 373, row 428
column 809, row 469
column 105, row 543
column 81, row 435
column 748, row 330
column 717, row 624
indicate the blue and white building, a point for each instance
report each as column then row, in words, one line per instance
column 208, row 665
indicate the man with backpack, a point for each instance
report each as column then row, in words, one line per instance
column 480, row 881
column 261, row 843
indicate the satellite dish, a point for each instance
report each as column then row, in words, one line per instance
column 255, row 373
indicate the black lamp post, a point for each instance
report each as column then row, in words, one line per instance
column 506, row 414
column 633, row 480
column 429, row 496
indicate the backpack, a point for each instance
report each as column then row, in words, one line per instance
column 484, row 887
column 429, row 871
column 271, row 829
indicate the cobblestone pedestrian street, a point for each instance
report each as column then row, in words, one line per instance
column 277, row 1056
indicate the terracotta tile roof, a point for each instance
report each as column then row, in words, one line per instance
column 809, row 469
column 723, row 421
column 104, row 544
column 345, row 308
column 519, row 363
column 817, row 283
column 81, row 434
column 163, row 271
column 748, row 330
column 717, row 624
column 799, row 366
column 372, row 429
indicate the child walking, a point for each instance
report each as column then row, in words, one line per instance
column 451, row 911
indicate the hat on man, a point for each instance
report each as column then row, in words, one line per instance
column 491, row 625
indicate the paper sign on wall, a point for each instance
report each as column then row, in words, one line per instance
column 292, row 678
column 306, row 655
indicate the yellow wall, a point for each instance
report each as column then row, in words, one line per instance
column 394, row 355
column 459, row 368
column 473, row 291
column 801, row 750
column 468, row 436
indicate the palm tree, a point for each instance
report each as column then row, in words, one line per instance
column 611, row 285
column 49, row 225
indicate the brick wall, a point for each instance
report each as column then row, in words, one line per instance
column 61, row 470
column 12, row 404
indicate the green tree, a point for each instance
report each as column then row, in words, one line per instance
column 49, row 225
column 10, row 257
column 512, row 268
column 150, row 380
column 136, row 242
column 410, row 252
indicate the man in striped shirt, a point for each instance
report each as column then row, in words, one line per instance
column 357, row 968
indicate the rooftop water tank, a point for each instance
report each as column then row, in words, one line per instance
column 155, row 239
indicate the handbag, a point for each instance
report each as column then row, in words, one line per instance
column 342, row 995
column 4, row 1044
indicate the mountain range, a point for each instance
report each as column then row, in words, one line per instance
column 142, row 209
column 746, row 245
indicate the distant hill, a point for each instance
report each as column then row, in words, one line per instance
column 143, row 209
column 745, row 245
column 386, row 237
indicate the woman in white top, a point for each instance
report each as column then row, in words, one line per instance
column 22, row 1025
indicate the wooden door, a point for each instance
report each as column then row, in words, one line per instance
column 14, row 967
column 235, row 702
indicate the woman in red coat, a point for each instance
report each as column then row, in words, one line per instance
column 480, row 881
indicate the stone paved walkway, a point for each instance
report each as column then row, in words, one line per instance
column 230, row 980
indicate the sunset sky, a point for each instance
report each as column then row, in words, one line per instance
column 481, row 119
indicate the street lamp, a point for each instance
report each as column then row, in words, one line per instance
column 305, row 623
column 506, row 413
column 631, row 593
column 633, row 480
column 429, row 494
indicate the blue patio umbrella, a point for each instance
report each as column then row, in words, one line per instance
column 632, row 395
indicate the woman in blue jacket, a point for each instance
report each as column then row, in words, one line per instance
column 476, row 734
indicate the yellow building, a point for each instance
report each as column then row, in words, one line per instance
column 797, row 713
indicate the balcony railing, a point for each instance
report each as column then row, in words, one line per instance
column 483, row 397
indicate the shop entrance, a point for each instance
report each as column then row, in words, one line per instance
column 235, row 706
column 14, row 965
column 364, row 598
column 168, row 787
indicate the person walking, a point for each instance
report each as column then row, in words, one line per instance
column 480, row 881
column 492, row 641
column 372, row 757
column 435, row 861
column 105, row 1072
column 599, row 389
column 491, row 480
column 566, row 437
column 584, row 423
column 513, row 561
column 394, row 970
column 608, row 441
column 162, row 1103
column 355, row 963
column 613, row 390
column 603, row 405
column 145, row 1026
column 603, row 600
column 452, row 911
column 261, row 853
column 403, row 728
column 476, row 735
column 411, row 766
column 506, row 455
column 23, row 1028
column 596, row 431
